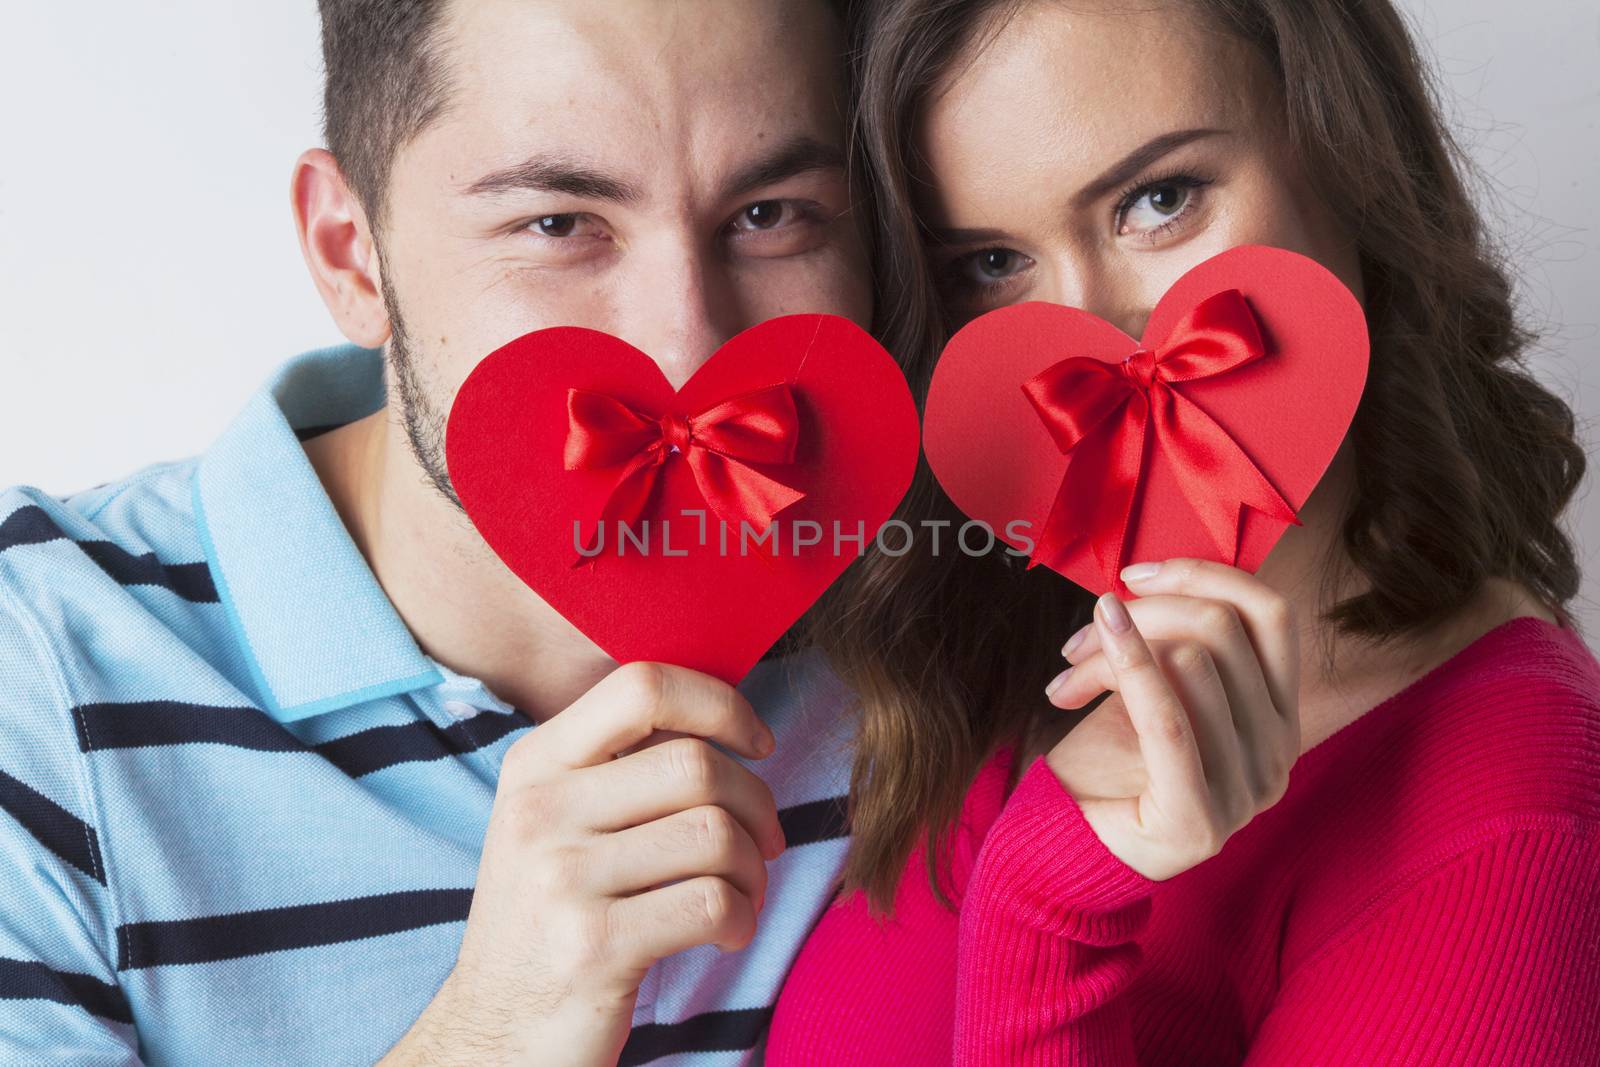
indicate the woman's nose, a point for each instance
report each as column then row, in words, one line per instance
column 1119, row 301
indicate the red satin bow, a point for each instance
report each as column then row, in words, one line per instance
column 719, row 443
column 1102, row 415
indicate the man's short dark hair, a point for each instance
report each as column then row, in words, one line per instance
column 386, row 80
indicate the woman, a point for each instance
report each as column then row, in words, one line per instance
column 1343, row 811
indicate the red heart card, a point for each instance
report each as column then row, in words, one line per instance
column 1286, row 406
column 676, row 591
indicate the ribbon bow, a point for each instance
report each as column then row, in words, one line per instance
column 1102, row 415
column 719, row 443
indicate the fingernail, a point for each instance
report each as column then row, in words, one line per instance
column 763, row 744
column 1074, row 641
column 1059, row 681
column 1115, row 614
column 1140, row 572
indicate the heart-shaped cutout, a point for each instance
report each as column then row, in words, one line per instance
column 1288, row 411
column 685, row 598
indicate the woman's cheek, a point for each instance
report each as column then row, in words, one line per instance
column 1283, row 211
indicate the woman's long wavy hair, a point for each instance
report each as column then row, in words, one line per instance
column 1463, row 462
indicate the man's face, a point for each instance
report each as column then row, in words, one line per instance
column 667, row 171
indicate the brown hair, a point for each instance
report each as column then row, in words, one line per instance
column 385, row 80
column 1463, row 462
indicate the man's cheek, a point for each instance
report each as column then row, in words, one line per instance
column 833, row 281
column 524, row 301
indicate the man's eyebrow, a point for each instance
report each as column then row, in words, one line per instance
column 554, row 175
column 800, row 155
column 1130, row 166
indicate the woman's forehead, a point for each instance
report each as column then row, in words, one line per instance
column 1087, row 82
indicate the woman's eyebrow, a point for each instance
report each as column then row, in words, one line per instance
column 1118, row 175
column 1134, row 163
column 939, row 236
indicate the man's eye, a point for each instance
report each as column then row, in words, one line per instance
column 764, row 215
column 571, row 224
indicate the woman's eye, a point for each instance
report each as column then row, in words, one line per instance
column 570, row 224
column 992, row 265
column 1154, row 206
column 763, row 215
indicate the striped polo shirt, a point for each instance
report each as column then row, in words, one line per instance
column 241, row 811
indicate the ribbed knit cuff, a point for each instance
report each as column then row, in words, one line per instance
column 1044, row 867
column 1048, row 940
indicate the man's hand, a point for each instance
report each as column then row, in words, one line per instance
column 596, row 865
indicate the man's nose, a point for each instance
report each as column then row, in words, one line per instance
column 685, row 310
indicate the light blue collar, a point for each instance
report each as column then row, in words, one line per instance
column 315, row 625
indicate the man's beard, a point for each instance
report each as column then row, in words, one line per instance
column 424, row 423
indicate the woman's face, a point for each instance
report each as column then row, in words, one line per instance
column 1090, row 154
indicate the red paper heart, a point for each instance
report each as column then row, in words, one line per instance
column 714, row 612
column 1288, row 411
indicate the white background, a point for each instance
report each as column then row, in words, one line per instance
column 150, row 277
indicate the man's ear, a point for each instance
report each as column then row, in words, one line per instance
column 336, row 239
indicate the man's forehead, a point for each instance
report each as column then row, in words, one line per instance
column 615, row 80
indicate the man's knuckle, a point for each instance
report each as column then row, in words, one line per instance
column 730, row 705
column 714, row 905
column 531, row 813
column 644, row 687
column 588, row 938
column 693, row 763
column 717, row 832
column 523, row 758
column 741, row 931
column 561, row 870
column 730, row 918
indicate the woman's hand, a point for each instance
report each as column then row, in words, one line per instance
column 1203, row 722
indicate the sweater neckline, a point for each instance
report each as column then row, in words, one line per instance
column 1518, row 629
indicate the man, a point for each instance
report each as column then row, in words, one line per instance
column 293, row 770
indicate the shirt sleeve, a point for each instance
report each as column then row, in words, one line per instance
column 1489, row 956
column 60, row 1002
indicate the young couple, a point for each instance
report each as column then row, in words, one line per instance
column 294, row 771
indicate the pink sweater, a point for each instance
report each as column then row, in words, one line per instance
column 1426, row 892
